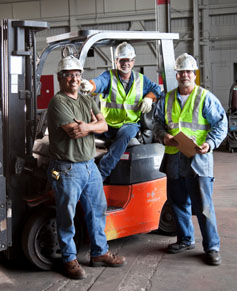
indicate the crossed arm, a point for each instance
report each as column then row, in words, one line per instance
column 79, row 128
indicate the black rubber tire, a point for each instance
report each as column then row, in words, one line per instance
column 167, row 224
column 230, row 149
column 39, row 238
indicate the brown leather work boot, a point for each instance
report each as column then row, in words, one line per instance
column 108, row 259
column 73, row 270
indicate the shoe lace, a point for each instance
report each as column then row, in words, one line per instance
column 112, row 255
column 75, row 264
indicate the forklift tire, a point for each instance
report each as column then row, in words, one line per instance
column 39, row 238
column 167, row 224
column 230, row 149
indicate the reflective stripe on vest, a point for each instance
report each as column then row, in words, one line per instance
column 188, row 120
column 119, row 108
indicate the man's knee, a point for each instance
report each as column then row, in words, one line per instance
column 128, row 131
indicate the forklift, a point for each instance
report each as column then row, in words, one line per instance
column 231, row 142
column 136, row 189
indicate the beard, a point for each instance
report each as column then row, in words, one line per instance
column 125, row 70
column 185, row 83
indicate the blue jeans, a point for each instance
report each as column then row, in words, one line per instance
column 196, row 192
column 121, row 137
column 79, row 181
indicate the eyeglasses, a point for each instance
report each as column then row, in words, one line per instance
column 122, row 61
column 71, row 75
column 188, row 72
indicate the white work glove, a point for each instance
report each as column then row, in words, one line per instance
column 146, row 105
column 85, row 86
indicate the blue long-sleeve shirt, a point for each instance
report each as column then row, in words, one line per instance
column 103, row 82
column 176, row 165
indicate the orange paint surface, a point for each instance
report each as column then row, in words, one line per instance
column 134, row 209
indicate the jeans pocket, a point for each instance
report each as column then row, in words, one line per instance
column 62, row 167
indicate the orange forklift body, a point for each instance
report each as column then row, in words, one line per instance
column 134, row 208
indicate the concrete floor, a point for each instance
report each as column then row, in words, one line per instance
column 150, row 267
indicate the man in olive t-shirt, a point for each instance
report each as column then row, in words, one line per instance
column 72, row 122
column 63, row 110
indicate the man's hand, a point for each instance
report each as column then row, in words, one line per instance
column 80, row 129
column 203, row 149
column 86, row 87
column 170, row 141
column 146, row 105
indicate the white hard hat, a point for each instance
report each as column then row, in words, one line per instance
column 125, row 51
column 185, row 62
column 69, row 63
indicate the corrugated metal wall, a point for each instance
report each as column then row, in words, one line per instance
column 216, row 43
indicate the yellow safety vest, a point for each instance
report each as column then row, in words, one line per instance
column 120, row 108
column 189, row 120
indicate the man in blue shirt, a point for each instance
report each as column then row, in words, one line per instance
column 126, row 94
column 199, row 114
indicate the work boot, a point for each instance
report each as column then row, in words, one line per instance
column 73, row 270
column 179, row 247
column 213, row 258
column 109, row 259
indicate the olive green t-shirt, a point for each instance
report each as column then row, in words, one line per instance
column 63, row 110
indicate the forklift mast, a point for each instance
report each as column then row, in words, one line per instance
column 18, row 119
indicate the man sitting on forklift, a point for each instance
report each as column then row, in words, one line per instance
column 126, row 94
column 72, row 121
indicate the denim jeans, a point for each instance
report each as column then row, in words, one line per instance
column 79, row 181
column 121, row 137
column 194, row 192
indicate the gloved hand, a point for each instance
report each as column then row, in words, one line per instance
column 85, row 86
column 146, row 105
